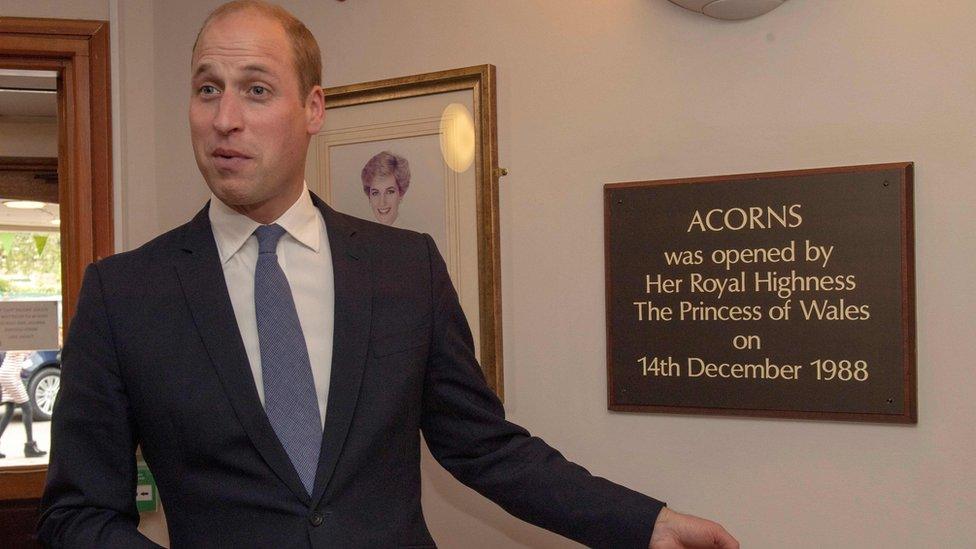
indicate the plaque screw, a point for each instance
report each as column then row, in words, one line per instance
column 886, row 183
column 620, row 201
column 891, row 401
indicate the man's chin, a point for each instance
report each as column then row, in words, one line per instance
column 233, row 191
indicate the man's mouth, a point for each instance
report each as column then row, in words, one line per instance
column 383, row 211
column 229, row 153
column 229, row 159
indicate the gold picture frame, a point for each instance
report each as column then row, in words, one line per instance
column 410, row 114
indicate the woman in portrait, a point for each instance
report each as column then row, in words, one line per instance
column 386, row 177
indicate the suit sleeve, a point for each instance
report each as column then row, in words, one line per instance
column 465, row 428
column 89, row 500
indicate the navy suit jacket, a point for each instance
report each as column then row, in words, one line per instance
column 154, row 358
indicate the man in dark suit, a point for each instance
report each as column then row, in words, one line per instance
column 277, row 360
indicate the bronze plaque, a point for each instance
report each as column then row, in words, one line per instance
column 787, row 294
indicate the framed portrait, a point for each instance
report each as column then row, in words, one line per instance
column 419, row 153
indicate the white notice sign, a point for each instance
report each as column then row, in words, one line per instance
column 28, row 325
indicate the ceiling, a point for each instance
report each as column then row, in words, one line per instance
column 29, row 220
column 28, row 93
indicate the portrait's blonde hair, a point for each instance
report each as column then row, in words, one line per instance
column 305, row 50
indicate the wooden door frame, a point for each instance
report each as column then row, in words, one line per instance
column 79, row 51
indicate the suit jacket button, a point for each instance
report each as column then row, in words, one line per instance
column 316, row 519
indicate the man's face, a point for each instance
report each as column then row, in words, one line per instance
column 384, row 199
column 249, row 123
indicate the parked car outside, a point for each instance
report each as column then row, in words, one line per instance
column 42, row 377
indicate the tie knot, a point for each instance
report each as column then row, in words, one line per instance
column 268, row 236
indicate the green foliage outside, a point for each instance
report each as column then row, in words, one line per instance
column 26, row 273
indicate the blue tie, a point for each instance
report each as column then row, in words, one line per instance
column 289, row 391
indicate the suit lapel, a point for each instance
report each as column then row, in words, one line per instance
column 205, row 290
column 353, row 296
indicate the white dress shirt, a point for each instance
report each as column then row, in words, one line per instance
column 305, row 257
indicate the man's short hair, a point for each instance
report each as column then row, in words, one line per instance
column 384, row 164
column 305, row 50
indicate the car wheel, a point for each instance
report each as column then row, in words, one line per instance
column 43, row 391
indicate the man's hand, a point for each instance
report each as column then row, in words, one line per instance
column 674, row 530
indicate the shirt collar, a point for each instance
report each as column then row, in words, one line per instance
column 232, row 229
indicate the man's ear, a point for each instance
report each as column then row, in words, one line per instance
column 315, row 110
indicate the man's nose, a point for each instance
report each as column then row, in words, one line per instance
column 228, row 117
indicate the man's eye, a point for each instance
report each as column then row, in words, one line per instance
column 259, row 90
column 208, row 89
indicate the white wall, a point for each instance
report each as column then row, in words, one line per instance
column 592, row 92
column 134, row 126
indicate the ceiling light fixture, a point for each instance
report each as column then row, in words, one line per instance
column 730, row 9
column 24, row 205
